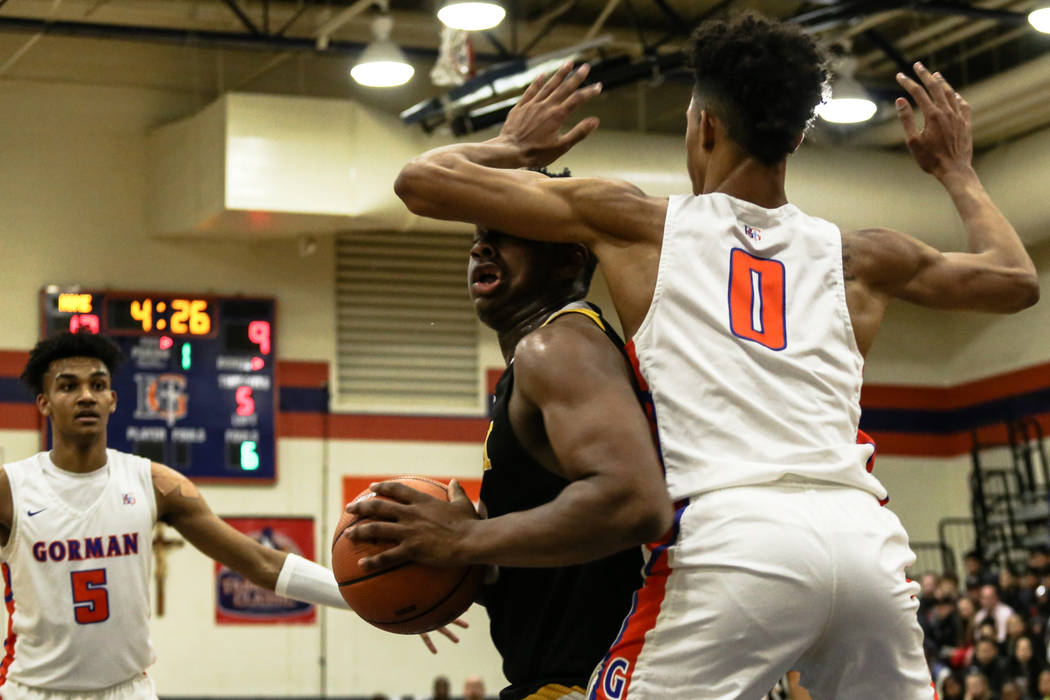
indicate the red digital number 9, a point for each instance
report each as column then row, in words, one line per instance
column 90, row 598
column 756, row 299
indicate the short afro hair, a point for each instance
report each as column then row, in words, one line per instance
column 764, row 78
column 587, row 273
column 65, row 345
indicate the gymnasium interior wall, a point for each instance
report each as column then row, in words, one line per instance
column 73, row 211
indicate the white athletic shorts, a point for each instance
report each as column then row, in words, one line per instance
column 755, row 581
column 138, row 688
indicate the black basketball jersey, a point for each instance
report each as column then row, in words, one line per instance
column 550, row 625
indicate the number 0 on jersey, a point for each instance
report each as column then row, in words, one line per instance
column 756, row 299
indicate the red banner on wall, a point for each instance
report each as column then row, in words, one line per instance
column 241, row 602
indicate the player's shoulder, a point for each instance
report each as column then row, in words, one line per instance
column 879, row 254
column 564, row 352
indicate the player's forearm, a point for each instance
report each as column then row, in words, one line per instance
column 585, row 522
column 987, row 230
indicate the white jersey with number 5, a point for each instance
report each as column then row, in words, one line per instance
column 748, row 350
column 76, row 580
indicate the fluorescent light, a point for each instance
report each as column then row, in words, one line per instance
column 471, row 16
column 847, row 110
column 1040, row 19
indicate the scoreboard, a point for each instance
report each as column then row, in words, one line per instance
column 197, row 388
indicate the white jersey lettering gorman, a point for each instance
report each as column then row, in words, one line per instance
column 749, row 352
column 76, row 578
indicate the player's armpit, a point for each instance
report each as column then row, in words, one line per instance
column 904, row 267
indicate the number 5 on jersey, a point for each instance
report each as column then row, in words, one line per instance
column 90, row 598
column 756, row 299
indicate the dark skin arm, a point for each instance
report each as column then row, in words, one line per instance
column 7, row 514
column 575, row 410
column 995, row 275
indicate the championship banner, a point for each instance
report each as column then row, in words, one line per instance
column 353, row 485
column 241, row 602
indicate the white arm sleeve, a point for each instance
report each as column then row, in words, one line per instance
column 302, row 579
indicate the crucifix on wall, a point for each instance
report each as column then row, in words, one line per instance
column 161, row 545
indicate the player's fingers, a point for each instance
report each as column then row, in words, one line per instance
column 583, row 95
column 907, row 117
column 456, row 494
column 385, row 559
column 579, row 132
column 375, row 530
column 448, row 634
column 379, row 509
column 533, row 88
column 931, row 82
column 554, row 81
column 947, row 91
column 571, row 82
column 916, row 91
column 399, row 492
column 964, row 107
column 459, row 622
column 429, row 644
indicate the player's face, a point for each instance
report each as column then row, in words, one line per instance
column 506, row 275
column 78, row 397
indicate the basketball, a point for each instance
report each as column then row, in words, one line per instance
column 405, row 598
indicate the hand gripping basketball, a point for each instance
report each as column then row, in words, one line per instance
column 379, row 543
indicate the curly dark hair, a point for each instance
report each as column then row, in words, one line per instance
column 763, row 78
column 583, row 282
column 66, row 344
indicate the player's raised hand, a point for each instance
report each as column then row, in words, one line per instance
column 536, row 121
column 945, row 142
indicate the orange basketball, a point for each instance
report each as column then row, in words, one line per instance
column 406, row 598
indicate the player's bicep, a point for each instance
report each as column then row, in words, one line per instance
column 964, row 281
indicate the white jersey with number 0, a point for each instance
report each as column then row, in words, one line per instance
column 749, row 352
column 77, row 579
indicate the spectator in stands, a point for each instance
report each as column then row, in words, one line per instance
column 1009, row 587
column 1043, row 686
column 977, row 688
column 928, row 583
column 473, row 688
column 442, row 689
column 988, row 663
column 1015, row 629
column 943, row 628
column 1010, row 691
column 949, row 585
column 1027, row 603
column 976, row 573
column 995, row 610
column 1039, row 560
column 1024, row 667
column 951, row 688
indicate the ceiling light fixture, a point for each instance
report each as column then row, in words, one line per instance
column 471, row 16
column 849, row 102
column 382, row 63
column 1040, row 19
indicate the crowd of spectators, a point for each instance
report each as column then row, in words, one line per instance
column 987, row 638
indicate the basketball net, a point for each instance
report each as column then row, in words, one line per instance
column 455, row 62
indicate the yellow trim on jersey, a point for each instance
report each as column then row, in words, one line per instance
column 486, row 464
column 589, row 313
column 555, row 691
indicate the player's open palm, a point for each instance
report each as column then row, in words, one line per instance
column 945, row 142
column 536, row 121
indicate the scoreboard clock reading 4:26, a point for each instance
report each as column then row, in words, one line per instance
column 197, row 389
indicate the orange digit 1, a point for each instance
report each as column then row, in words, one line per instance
column 90, row 598
column 756, row 299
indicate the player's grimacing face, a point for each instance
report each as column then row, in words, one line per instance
column 504, row 273
column 78, row 397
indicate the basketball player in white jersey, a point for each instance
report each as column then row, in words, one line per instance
column 749, row 320
column 76, row 529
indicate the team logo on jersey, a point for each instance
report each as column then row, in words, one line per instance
column 614, row 682
column 162, row 396
column 753, row 233
column 129, row 499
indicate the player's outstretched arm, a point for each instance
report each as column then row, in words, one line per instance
column 181, row 505
column 483, row 183
column 7, row 513
column 579, row 385
column 996, row 274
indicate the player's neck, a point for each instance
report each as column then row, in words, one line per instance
column 748, row 179
column 79, row 457
column 523, row 323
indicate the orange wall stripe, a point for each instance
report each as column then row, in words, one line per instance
column 19, row 416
